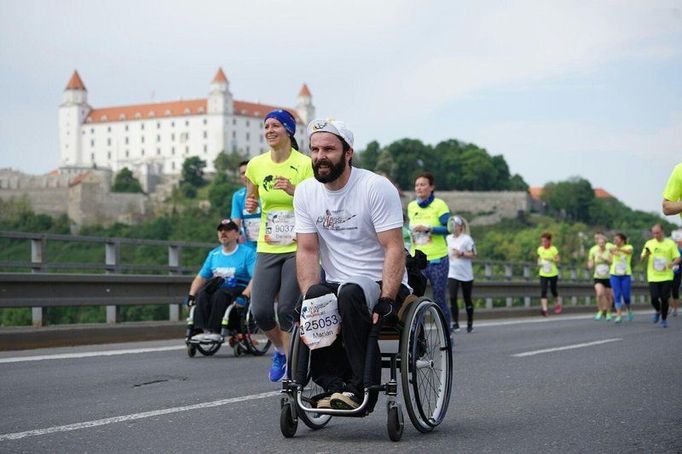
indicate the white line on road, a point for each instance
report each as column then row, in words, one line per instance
column 567, row 347
column 147, row 414
column 20, row 359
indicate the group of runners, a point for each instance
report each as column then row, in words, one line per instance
column 611, row 265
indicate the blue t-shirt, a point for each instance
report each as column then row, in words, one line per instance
column 238, row 264
column 250, row 221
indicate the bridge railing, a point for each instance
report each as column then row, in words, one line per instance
column 497, row 283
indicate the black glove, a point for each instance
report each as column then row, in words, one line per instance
column 189, row 300
column 384, row 306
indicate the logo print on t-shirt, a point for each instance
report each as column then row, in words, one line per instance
column 267, row 182
column 334, row 221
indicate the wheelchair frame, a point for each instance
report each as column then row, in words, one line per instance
column 412, row 358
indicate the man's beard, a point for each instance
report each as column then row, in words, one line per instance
column 335, row 170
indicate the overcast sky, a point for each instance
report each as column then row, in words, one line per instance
column 560, row 88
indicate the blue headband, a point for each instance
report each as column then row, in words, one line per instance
column 284, row 117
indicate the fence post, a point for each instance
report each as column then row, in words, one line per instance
column 509, row 302
column 508, row 272
column 174, row 258
column 526, row 272
column 574, row 274
column 574, row 300
column 38, row 249
column 488, row 271
column 526, row 301
column 587, row 301
column 112, row 255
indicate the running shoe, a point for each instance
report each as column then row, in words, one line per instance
column 598, row 316
column 543, row 312
column 557, row 309
column 279, row 367
column 454, row 327
column 664, row 323
column 655, row 317
column 345, row 401
column 324, row 402
column 619, row 319
column 470, row 328
column 608, row 316
column 631, row 316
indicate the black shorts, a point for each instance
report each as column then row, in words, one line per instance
column 548, row 282
column 677, row 281
column 605, row 282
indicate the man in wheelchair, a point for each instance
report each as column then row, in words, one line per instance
column 225, row 275
column 349, row 220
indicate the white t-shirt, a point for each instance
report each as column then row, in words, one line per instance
column 347, row 222
column 460, row 267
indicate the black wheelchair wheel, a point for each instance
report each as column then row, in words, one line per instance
column 311, row 391
column 426, row 365
column 191, row 350
column 255, row 339
column 395, row 423
column 287, row 424
column 208, row 349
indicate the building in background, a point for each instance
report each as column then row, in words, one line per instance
column 154, row 139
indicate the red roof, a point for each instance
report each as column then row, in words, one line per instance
column 536, row 193
column 220, row 76
column 78, row 179
column 75, row 83
column 305, row 91
column 176, row 109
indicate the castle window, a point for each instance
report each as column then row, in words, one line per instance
column 205, row 149
column 200, row 110
column 151, row 114
column 234, row 121
column 126, row 128
column 205, row 121
column 92, row 142
column 158, row 137
column 109, row 155
column 248, row 136
column 173, row 136
column 103, row 118
column 158, row 125
column 186, row 122
column 187, row 149
column 122, row 117
column 234, row 134
column 108, row 128
column 173, row 151
column 109, row 141
column 167, row 112
column 92, row 130
column 127, row 153
column 142, row 152
column 92, row 156
column 141, row 139
column 187, row 111
column 248, row 149
column 142, row 126
column 127, row 141
column 173, row 165
column 248, row 123
column 205, row 134
column 158, row 152
column 138, row 115
column 172, row 124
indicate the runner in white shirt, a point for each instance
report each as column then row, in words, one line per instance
column 350, row 221
column 461, row 250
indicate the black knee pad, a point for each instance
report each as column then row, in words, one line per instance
column 318, row 290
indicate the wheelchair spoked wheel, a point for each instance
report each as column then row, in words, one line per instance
column 255, row 339
column 311, row 391
column 426, row 365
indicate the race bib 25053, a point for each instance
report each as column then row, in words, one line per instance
column 320, row 321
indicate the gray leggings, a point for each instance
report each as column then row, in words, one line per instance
column 274, row 273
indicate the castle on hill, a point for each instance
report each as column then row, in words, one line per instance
column 156, row 138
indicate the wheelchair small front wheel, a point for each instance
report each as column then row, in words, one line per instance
column 191, row 350
column 395, row 423
column 287, row 423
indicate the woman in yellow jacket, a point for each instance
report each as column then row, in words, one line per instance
column 428, row 217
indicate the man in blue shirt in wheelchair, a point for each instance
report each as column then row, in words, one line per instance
column 349, row 220
column 225, row 275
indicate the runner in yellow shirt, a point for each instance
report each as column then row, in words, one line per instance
column 661, row 255
column 672, row 195
column 548, row 257
column 273, row 177
column 621, row 274
column 599, row 260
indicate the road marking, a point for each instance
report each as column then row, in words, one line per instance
column 134, row 416
column 20, row 359
column 567, row 347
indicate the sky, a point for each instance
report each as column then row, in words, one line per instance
column 560, row 89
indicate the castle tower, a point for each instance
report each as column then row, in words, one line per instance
column 72, row 113
column 305, row 108
column 220, row 99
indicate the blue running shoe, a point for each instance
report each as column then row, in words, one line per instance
column 279, row 367
column 655, row 317
column 664, row 323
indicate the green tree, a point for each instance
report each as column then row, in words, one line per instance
column 193, row 172
column 125, row 181
column 370, row 155
column 517, row 183
column 220, row 196
column 478, row 171
column 226, row 163
column 571, row 198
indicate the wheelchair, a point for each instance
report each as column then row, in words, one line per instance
column 238, row 329
column 424, row 359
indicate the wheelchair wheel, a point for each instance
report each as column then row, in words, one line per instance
column 191, row 350
column 311, row 391
column 395, row 423
column 208, row 349
column 426, row 365
column 287, row 424
column 255, row 339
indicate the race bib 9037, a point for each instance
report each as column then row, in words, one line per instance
column 320, row 321
column 279, row 228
